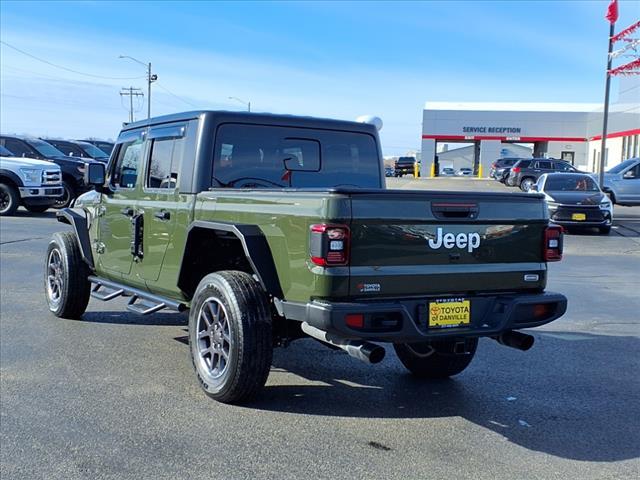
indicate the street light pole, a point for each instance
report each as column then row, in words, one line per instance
column 248, row 104
column 151, row 77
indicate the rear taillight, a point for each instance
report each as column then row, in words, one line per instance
column 552, row 247
column 493, row 165
column 515, row 169
column 329, row 245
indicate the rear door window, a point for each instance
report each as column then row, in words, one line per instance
column 543, row 165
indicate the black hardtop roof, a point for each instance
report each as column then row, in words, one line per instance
column 222, row 116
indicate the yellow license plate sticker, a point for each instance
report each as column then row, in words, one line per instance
column 449, row 313
column 578, row 216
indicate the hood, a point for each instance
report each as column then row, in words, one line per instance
column 25, row 162
column 577, row 198
column 67, row 158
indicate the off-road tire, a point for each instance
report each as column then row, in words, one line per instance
column 250, row 344
column 440, row 362
column 9, row 199
column 74, row 288
column 605, row 230
column 68, row 195
column 37, row 208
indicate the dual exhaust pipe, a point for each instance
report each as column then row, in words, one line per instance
column 371, row 353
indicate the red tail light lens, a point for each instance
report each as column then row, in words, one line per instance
column 329, row 245
column 515, row 169
column 552, row 247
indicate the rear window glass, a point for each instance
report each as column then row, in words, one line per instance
column 524, row 163
column 252, row 156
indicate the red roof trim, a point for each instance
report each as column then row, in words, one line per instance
column 635, row 131
column 504, row 138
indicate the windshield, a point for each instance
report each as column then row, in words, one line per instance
column 45, row 148
column 566, row 183
column 92, row 150
column 621, row 166
column 5, row 152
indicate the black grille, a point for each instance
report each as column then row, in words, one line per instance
column 564, row 213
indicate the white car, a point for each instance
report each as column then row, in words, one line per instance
column 464, row 172
column 35, row 184
column 575, row 200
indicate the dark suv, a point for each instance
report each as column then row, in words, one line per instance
column 526, row 172
column 72, row 168
column 405, row 165
column 78, row 149
column 500, row 168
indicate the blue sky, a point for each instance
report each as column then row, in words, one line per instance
column 327, row 59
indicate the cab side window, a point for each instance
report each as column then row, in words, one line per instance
column 19, row 148
column 164, row 163
column 544, row 165
column 127, row 165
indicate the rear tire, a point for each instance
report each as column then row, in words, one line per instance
column 526, row 184
column 230, row 336
column 9, row 199
column 435, row 359
column 66, row 283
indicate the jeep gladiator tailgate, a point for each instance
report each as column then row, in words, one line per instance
column 425, row 243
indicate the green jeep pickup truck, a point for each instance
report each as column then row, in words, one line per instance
column 270, row 228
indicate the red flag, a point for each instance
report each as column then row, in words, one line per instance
column 612, row 11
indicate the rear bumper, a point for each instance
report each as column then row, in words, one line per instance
column 407, row 320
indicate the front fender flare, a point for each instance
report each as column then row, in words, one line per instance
column 78, row 221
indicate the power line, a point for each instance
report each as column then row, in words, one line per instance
column 176, row 96
column 65, row 68
column 131, row 92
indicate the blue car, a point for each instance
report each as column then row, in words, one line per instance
column 622, row 182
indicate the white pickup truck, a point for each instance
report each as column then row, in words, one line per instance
column 35, row 184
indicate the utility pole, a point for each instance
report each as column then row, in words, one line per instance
column 151, row 77
column 131, row 92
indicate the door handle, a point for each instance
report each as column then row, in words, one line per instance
column 128, row 211
column 162, row 215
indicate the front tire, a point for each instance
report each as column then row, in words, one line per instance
column 68, row 194
column 9, row 199
column 435, row 359
column 605, row 230
column 66, row 283
column 230, row 336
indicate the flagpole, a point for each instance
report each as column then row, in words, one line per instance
column 603, row 147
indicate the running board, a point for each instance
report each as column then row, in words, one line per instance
column 141, row 302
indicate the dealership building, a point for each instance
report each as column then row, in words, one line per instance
column 572, row 132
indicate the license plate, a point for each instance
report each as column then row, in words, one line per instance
column 578, row 216
column 449, row 313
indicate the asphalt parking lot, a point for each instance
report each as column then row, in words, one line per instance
column 114, row 396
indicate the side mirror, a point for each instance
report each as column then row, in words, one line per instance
column 534, row 188
column 94, row 174
column 629, row 174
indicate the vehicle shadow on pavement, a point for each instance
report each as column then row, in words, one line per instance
column 118, row 317
column 22, row 213
column 573, row 395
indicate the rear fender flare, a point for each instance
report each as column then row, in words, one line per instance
column 255, row 247
column 78, row 221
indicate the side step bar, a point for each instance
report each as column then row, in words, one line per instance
column 141, row 302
